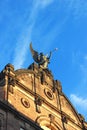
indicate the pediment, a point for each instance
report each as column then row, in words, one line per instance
column 69, row 110
column 26, row 77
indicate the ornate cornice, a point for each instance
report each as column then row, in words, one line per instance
column 7, row 107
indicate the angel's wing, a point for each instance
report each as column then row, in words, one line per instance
column 34, row 53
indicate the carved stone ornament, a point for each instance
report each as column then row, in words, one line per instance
column 38, row 101
column 25, row 102
column 57, row 85
column 81, row 117
column 49, row 93
column 11, row 89
column 11, row 81
column 64, row 119
column 52, row 118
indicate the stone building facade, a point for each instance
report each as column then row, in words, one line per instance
column 31, row 99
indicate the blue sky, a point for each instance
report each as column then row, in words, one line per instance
column 48, row 24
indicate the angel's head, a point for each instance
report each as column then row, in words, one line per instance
column 41, row 54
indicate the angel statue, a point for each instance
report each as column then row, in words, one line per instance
column 40, row 58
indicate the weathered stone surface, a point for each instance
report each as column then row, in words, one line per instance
column 36, row 95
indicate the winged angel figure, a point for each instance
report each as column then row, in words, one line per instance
column 40, row 58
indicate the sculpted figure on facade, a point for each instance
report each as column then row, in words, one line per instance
column 40, row 58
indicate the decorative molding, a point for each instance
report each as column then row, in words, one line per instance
column 20, row 117
column 52, row 118
column 82, row 119
column 57, row 85
column 11, row 81
column 25, row 102
column 11, row 89
column 45, row 122
column 49, row 93
column 38, row 102
column 64, row 119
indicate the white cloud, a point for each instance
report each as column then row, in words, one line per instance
column 20, row 54
column 85, row 57
column 22, row 44
column 71, row 5
column 79, row 102
column 44, row 3
column 79, row 60
column 77, row 7
column 80, row 8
